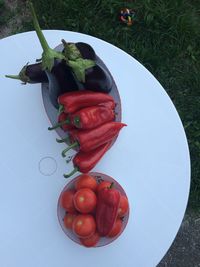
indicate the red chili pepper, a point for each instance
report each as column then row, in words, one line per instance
column 91, row 117
column 63, row 122
column 86, row 161
column 76, row 100
column 107, row 209
column 88, row 140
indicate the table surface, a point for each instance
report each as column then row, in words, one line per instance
column 150, row 160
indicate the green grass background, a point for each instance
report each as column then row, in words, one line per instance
column 165, row 38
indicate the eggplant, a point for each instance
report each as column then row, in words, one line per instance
column 87, row 52
column 61, row 80
column 87, row 68
column 32, row 73
column 98, row 79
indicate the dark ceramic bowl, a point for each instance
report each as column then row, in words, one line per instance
column 52, row 112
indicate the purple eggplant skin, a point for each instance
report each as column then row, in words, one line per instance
column 98, row 79
column 61, row 80
column 65, row 77
column 87, row 52
column 35, row 73
column 32, row 73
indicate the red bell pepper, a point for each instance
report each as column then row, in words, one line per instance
column 88, row 140
column 86, row 161
column 91, row 117
column 76, row 100
column 107, row 209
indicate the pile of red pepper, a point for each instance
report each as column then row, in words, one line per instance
column 93, row 209
column 89, row 119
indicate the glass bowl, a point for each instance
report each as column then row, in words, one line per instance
column 61, row 211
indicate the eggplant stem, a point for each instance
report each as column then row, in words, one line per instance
column 38, row 30
column 49, row 55
column 75, row 144
column 71, row 173
column 16, row 77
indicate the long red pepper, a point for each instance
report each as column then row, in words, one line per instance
column 76, row 100
column 91, row 117
column 107, row 210
column 85, row 118
column 85, row 162
column 88, row 140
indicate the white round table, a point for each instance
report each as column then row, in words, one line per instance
column 150, row 160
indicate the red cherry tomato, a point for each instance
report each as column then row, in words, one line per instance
column 84, row 225
column 117, row 227
column 85, row 200
column 86, row 181
column 103, row 185
column 68, row 220
column 90, row 241
column 67, row 201
column 123, row 206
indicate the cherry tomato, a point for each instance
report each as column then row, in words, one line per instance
column 103, row 185
column 68, row 219
column 86, row 181
column 123, row 206
column 90, row 241
column 84, row 225
column 85, row 200
column 117, row 227
column 67, row 200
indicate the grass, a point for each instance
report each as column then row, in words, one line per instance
column 165, row 38
column 4, row 13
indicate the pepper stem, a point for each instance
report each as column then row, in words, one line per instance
column 60, row 109
column 111, row 186
column 75, row 144
column 67, row 139
column 77, row 121
column 71, row 173
column 17, row 77
column 57, row 125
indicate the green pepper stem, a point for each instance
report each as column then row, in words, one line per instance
column 75, row 144
column 71, row 173
column 40, row 35
column 111, row 186
column 77, row 121
column 67, row 139
column 60, row 109
column 57, row 125
column 17, row 77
